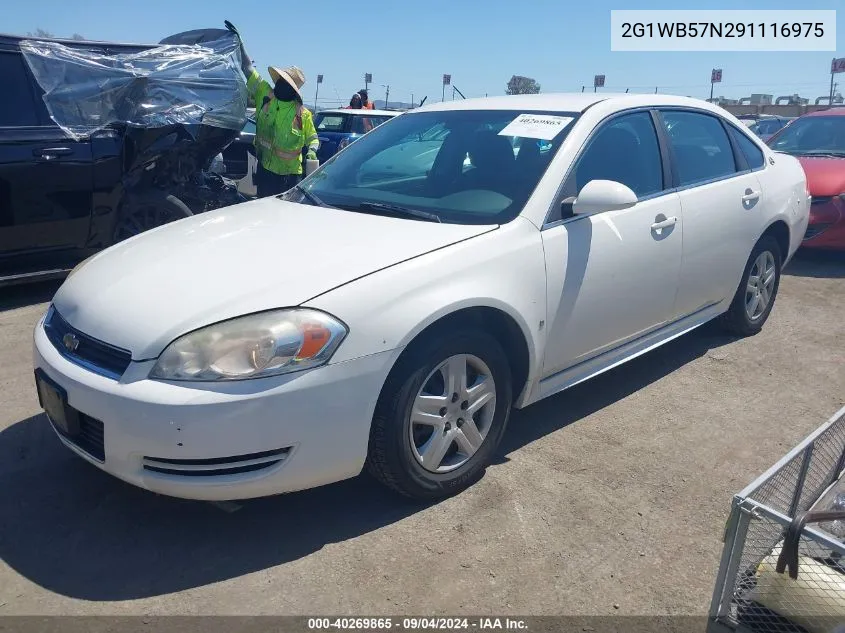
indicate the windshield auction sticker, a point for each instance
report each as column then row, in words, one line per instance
column 542, row 126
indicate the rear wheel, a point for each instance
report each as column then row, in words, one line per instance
column 757, row 291
column 441, row 416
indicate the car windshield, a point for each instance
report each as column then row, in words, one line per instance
column 461, row 166
column 812, row 135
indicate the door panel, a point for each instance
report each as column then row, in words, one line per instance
column 45, row 177
column 45, row 190
column 721, row 204
column 611, row 278
column 719, row 223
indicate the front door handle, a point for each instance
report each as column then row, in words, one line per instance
column 664, row 224
column 49, row 153
column 751, row 196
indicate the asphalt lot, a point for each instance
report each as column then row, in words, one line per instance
column 613, row 493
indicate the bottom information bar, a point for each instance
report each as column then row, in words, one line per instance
column 304, row 624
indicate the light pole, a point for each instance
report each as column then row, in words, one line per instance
column 386, row 95
column 830, row 103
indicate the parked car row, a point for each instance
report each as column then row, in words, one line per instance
column 460, row 260
column 817, row 140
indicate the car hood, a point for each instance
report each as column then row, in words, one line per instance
column 143, row 293
column 825, row 175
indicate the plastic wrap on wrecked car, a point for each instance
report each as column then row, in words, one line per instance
column 86, row 90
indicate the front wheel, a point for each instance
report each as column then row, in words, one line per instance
column 142, row 212
column 757, row 291
column 441, row 416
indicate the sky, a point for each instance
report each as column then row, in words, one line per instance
column 410, row 45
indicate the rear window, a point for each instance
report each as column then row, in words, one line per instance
column 17, row 107
column 330, row 122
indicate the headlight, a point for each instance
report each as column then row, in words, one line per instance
column 254, row 346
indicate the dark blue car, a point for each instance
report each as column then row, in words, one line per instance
column 338, row 128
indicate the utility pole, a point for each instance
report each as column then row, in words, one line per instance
column 830, row 103
column 386, row 96
column 412, row 99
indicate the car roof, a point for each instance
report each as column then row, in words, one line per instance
column 570, row 102
column 835, row 110
column 12, row 42
column 360, row 112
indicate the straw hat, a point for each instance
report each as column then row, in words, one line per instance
column 292, row 75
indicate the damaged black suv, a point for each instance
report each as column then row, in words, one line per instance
column 66, row 193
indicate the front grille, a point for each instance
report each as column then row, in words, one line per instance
column 89, row 438
column 216, row 466
column 84, row 350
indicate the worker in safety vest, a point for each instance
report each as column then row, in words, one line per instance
column 283, row 126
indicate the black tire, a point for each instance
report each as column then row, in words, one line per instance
column 391, row 458
column 142, row 212
column 736, row 320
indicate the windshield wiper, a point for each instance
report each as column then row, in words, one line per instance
column 821, row 153
column 311, row 197
column 393, row 209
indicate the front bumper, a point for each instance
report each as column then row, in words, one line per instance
column 826, row 229
column 208, row 440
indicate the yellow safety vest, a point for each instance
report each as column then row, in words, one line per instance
column 282, row 129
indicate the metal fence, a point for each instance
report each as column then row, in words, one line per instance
column 750, row 594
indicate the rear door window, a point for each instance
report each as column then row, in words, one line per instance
column 700, row 145
column 753, row 154
column 17, row 106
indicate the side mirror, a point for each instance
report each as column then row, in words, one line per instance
column 603, row 195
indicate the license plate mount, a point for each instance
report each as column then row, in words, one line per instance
column 53, row 399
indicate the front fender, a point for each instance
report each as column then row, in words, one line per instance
column 503, row 269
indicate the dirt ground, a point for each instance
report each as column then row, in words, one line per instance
column 613, row 493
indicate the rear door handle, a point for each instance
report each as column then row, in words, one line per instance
column 49, row 153
column 664, row 224
column 751, row 195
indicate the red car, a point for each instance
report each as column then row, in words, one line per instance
column 818, row 141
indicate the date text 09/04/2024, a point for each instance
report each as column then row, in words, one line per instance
column 722, row 29
column 416, row 624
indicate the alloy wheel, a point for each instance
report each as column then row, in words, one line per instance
column 452, row 413
column 142, row 218
column 760, row 287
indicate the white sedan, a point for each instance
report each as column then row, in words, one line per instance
column 392, row 309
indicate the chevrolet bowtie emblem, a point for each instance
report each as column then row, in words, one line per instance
column 70, row 341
